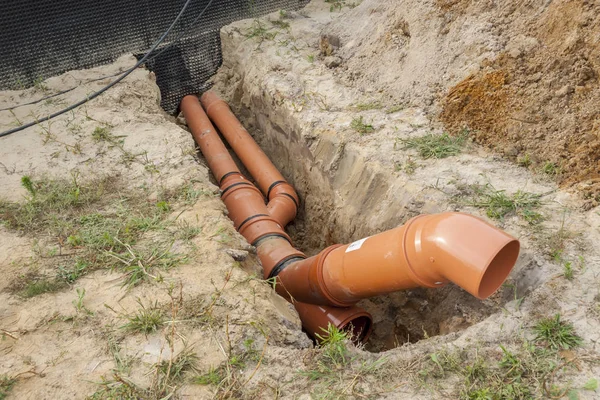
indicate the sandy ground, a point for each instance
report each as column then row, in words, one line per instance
column 299, row 97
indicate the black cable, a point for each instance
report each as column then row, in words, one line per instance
column 105, row 88
column 152, row 57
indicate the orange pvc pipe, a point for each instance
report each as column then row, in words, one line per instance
column 217, row 157
column 316, row 319
column 283, row 199
column 259, row 225
column 428, row 251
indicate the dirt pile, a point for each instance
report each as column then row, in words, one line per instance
column 522, row 75
column 538, row 101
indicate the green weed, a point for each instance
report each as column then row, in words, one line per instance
column 436, row 146
column 103, row 134
column 6, row 385
column 551, row 168
column 556, row 334
column 146, row 319
column 524, row 161
column 259, row 32
column 360, row 126
column 394, row 109
column 311, row 58
column 373, row 105
column 139, row 265
column 214, row 376
column 120, row 388
column 173, row 370
column 40, row 286
column 497, row 204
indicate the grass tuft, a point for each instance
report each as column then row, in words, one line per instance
column 214, row 376
column 556, row 334
column 497, row 204
column 360, row 126
column 436, row 146
column 6, row 385
column 41, row 286
column 146, row 319
column 372, row 105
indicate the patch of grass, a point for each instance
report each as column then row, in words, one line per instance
column 41, row 286
column 335, row 5
column 186, row 231
column 280, row 23
column 436, row 146
column 214, row 376
column 568, row 270
column 521, row 374
column 6, row 385
column 372, row 105
column 173, row 370
column 556, row 334
column 310, row 58
column 497, row 204
column 259, row 32
column 103, row 134
column 120, row 388
column 146, row 319
column 97, row 223
column 40, row 85
column 524, row 161
column 139, row 264
column 71, row 274
column 394, row 109
column 360, row 126
column 551, row 168
column 555, row 242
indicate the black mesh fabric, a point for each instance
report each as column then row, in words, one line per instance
column 43, row 38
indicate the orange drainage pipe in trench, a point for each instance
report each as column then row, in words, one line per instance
column 428, row 251
column 282, row 198
column 259, row 226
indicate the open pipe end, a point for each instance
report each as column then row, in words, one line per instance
column 498, row 269
column 359, row 328
column 463, row 249
column 353, row 320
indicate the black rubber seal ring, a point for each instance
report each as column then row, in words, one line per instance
column 281, row 265
column 235, row 184
column 273, row 185
column 293, row 199
column 226, row 175
column 268, row 235
column 251, row 218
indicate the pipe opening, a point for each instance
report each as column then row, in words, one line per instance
column 498, row 269
column 359, row 328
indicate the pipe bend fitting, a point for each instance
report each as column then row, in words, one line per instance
column 460, row 248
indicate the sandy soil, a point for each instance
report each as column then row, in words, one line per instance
column 299, row 96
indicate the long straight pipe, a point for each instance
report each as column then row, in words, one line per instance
column 252, row 219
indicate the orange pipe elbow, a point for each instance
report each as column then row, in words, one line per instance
column 283, row 199
column 316, row 319
column 428, row 251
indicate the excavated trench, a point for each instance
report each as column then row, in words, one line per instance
column 345, row 198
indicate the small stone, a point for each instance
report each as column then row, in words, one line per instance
column 332, row 61
column 567, row 89
column 237, row 255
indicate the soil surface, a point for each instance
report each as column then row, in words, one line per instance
column 122, row 276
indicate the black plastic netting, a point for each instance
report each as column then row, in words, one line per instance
column 43, row 38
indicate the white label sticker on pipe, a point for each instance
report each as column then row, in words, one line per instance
column 355, row 245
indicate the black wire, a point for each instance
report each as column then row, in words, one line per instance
column 105, row 88
column 162, row 50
